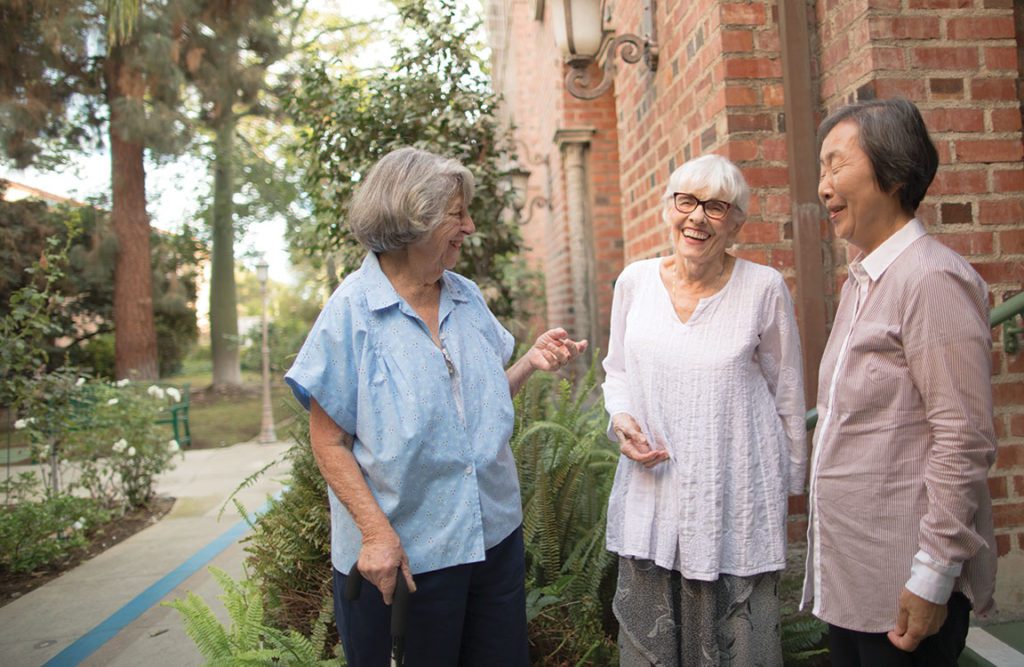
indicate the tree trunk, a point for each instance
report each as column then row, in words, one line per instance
column 227, row 370
column 135, row 352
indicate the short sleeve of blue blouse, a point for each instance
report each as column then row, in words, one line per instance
column 441, row 470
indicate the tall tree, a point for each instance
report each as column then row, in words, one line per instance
column 60, row 86
column 236, row 53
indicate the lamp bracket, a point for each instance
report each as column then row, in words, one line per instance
column 632, row 48
column 536, row 202
column 530, row 158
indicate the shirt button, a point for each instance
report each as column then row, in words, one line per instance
column 469, row 470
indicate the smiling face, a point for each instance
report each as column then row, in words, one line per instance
column 860, row 212
column 695, row 236
column 439, row 250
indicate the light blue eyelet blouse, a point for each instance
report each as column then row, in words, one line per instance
column 432, row 442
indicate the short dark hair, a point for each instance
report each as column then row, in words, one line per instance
column 895, row 139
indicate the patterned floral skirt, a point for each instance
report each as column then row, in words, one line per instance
column 665, row 619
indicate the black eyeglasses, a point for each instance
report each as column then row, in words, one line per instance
column 716, row 209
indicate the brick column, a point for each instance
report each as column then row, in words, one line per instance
column 573, row 145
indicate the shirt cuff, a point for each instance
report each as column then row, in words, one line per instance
column 931, row 580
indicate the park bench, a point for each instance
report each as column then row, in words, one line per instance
column 177, row 417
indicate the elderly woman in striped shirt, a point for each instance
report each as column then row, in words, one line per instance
column 901, row 545
column 705, row 394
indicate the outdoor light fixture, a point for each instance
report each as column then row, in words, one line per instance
column 520, row 181
column 579, row 32
column 267, row 434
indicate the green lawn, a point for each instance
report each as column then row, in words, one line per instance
column 219, row 419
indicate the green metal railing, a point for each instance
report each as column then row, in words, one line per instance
column 1009, row 313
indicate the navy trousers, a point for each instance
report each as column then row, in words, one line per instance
column 849, row 648
column 473, row 614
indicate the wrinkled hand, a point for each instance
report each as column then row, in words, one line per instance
column 633, row 443
column 916, row 619
column 379, row 561
column 553, row 350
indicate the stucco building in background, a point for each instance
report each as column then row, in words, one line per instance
column 750, row 80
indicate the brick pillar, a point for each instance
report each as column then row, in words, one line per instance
column 573, row 145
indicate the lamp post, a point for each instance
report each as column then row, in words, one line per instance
column 267, row 427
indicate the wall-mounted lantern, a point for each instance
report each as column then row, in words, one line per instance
column 580, row 34
column 519, row 180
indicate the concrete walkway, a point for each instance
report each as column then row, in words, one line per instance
column 107, row 612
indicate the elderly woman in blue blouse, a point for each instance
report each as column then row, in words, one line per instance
column 410, row 417
column 704, row 388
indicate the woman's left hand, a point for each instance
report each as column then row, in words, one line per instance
column 554, row 350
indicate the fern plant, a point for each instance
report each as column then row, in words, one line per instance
column 566, row 468
column 289, row 550
column 249, row 640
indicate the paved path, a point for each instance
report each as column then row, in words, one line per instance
column 107, row 612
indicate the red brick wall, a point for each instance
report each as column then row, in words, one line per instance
column 719, row 88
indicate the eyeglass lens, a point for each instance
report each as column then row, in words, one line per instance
column 713, row 208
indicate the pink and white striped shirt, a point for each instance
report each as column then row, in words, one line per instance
column 904, row 440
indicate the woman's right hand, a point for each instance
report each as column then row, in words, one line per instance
column 632, row 442
column 380, row 559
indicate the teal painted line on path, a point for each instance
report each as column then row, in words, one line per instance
column 91, row 641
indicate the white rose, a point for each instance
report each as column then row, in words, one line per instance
column 122, row 383
column 120, row 446
column 20, row 424
column 173, row 446
column 78, row 525
column 131, row 451
column 79, row 382
column 112, row 401
column 155, row 391
column 174, row 394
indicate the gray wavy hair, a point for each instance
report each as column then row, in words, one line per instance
column 404, row 197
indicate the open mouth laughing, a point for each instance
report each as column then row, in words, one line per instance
column 696, row 234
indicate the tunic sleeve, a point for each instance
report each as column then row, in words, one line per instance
column 782, row 366
column 616, row 390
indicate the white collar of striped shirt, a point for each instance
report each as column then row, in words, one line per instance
column 884, row 255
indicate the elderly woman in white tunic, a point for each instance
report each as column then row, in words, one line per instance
column 705, row 393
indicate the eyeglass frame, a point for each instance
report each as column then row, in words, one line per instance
column 702, row 203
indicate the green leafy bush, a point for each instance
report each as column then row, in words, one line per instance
column 37, row 530
column 290, row 546
column 100, row 438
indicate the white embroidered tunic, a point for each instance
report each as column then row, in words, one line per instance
column 723, row 393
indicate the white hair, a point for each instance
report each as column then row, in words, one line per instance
column 712, row 175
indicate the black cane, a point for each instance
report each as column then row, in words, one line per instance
column 399, row 610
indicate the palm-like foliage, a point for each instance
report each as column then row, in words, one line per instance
column 249, row 640
column 566, row 469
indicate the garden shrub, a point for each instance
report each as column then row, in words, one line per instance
column 290, row 546
column 37, row 530
column 100, row 438
column 566, row 468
